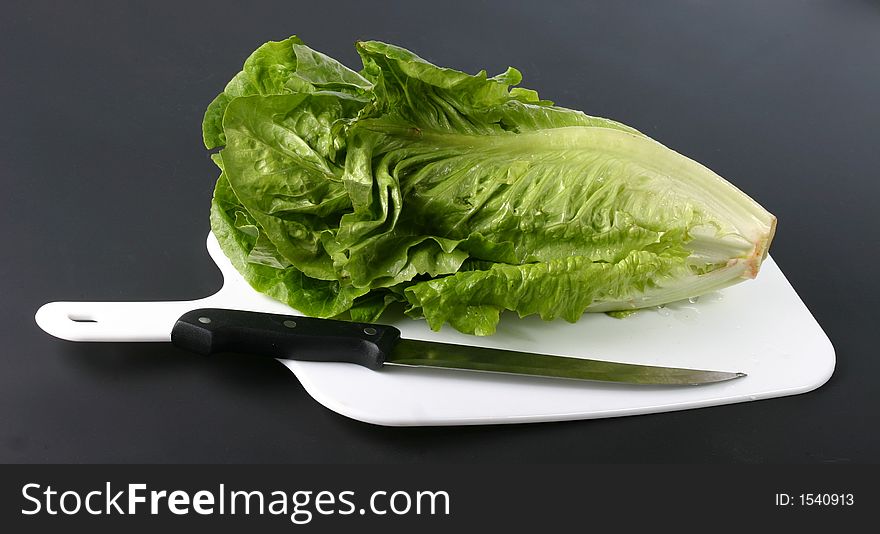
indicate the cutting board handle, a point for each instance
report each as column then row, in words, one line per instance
column 115, row 321
column 149, row 321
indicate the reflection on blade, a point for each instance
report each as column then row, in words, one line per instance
column 429, row 354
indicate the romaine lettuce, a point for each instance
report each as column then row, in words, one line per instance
column 458, row 195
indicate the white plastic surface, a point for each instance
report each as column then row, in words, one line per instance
column 759, row 327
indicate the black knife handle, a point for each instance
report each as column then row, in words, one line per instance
column 213, row 330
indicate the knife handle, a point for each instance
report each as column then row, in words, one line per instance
column 213, row 330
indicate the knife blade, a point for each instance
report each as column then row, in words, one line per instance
column 213, row 330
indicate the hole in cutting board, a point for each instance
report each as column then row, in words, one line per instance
column 81, row 318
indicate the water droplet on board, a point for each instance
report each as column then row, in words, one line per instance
column 686, row 314
column 693, row 300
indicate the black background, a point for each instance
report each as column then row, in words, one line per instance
column 105, row 188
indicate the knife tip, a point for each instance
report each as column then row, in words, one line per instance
column 725, row 376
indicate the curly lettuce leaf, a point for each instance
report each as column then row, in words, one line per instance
column 278, row 68
column 239, row 238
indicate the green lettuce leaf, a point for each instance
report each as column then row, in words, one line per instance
column 239, row 236
column 278, row 68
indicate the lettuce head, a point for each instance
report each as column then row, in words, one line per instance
column 457, row 196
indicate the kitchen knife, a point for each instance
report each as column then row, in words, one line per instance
column 213, row 330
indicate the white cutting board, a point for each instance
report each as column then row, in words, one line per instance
column 760, row 327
